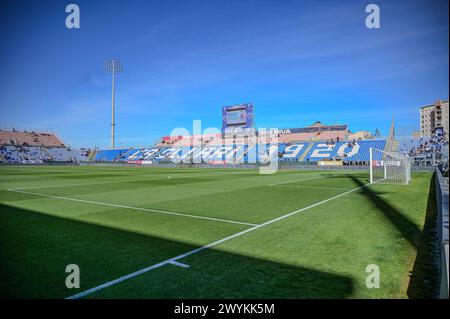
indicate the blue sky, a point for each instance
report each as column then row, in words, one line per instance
column 297, row 61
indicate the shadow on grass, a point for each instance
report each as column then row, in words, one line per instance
column 404, row 225
column 424, row 281
column 35, row 249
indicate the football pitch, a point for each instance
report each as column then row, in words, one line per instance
column 139, row 232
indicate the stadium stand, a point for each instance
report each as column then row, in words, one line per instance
column 314, row 132
column 287, row 152
column 21, row 154
column 66, row 154
column 422, row 146
column 29, row 139
column 313, row 143
column 109, row 155
column 34, row 154
column 426, row 151
column 35, row 147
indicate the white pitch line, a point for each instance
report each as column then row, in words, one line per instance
column 197, row 250
column 298, row 180
column 133, row 208
column 176, row 263
column 314, row 187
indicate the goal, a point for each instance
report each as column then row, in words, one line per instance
column 389, row 168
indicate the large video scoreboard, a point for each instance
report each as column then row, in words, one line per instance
column 238, row 116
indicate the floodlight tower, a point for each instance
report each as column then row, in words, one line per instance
column 113, row 66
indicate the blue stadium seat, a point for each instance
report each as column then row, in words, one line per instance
column 290, row 153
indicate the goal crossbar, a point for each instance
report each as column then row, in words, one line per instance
column 389, row 167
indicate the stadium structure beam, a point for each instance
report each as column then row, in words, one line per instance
column 113, row 66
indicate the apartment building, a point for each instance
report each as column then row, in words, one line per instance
column 434, row 117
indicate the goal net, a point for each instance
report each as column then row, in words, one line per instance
column 389, row 168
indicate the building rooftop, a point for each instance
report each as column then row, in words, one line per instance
column 430, row 105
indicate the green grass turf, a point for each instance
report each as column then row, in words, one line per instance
column 319, row 253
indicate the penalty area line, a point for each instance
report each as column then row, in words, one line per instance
column 314, row 187
column 205, row 247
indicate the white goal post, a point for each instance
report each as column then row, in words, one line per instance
column 389, row 168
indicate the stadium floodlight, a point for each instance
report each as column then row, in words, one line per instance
column 388, row 167
column 113, row 66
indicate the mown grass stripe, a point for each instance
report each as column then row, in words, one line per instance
column 132, row 207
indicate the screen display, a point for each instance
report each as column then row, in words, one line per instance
column 236, row 117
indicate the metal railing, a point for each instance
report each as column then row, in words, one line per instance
column 442, row 207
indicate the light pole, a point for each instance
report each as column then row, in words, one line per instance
column 113, row 66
